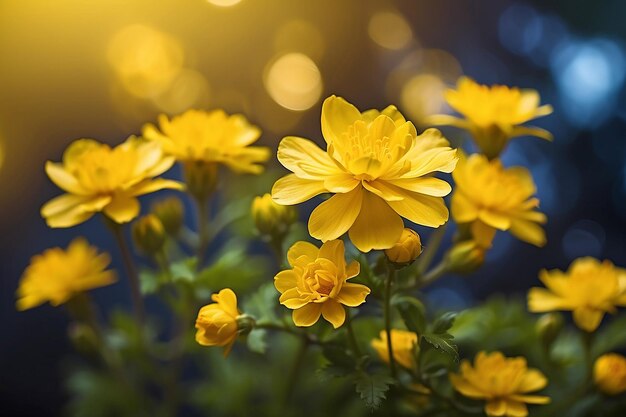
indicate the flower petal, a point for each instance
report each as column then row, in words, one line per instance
column 150, row 186
column 352, row 295
column 531, row 131
column 305, row 159
column 337, row 115
column 227, row 300
column 533, row 380
column 529, row 232
column 429, row 186
column 334, row 313
column 531, row 399
column 291, row 299
column 377, row 225
column 285, row 280
column 463, row 209
column 290, row 190
column 495, row 407
column 336, row 215
column 421, row 209
column 307, row 315
column 334, row 251
column 516, row 408
column 354, row 269
column 463, row 386
column 302, row 253
column 122, row 208
column 63, row 179
column 588, row 318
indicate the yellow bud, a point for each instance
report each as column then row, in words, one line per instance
column 217, row 323
column 407, row 249
column 609, row 373
column 171, row 212
column 465, row 257
column 201, row 178
column 148, row 234
column 404, row 344
column 271, row 218
column 548, row 327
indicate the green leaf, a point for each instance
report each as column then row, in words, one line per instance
column 184, row 270
column 372, row 387
column 150, row 281
column 256, row 341
column 611, row 337
column 442, row 341
column 261, row 305
column 444, row 322
column 412, row 311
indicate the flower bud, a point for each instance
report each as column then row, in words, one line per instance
column 201, row 178
column 465, row 257
column 148, row 234
column 271, row 218
column 245, row 324
column 84, row 338
column 548, row 327
column 171, row 212
column 217, row 323
column 404, row 344
column 609, row 373
column 407, row 249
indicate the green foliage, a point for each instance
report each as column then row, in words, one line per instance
column 612, row 336
column 412, row 311
column 439, row 337
column 372, row 387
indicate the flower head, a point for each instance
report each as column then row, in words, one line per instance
column 491, row 197
column 406, row 249
column 403, row 343
column 148, row 234
column 271, row 218
column 98, row 178
column 378, row 169
column 589, row 288
column 609, row 373
column 217, row 322
column 318, row 283
column 505, row 383
column 57, row 275
column 210, row 137
column 494, row 114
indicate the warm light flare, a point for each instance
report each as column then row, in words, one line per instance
column 294, row 81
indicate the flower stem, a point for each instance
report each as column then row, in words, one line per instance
column 431, row 249
column 296, row 368
column 433, row 275
column 351, row 336
column 202, row 208
column 587, row 342
column 387, row 316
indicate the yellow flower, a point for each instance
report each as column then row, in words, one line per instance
column 317, row 283
column 211, row 137
column 493, row 115
column 378, row 170
column 503, row 382
column 99, row 178
column 589, row 288
column 609, row 373
column 57, row 275
column 271, row 218
column 217, row 322
column 491, row 197
column 403, row 344
column 407, row 249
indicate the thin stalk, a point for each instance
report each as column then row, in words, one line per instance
column 431, row 249
column 351, row 336
column 296, row 368
column 433, row 275
column 202, row 208
column 387, row 316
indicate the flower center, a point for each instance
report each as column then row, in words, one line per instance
column 320, row 278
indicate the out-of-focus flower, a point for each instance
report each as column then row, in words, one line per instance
column 491, row 197
column 210, row 137
column 317, row 283
column 171, row 212
column 148, row 234
column 465, row 257
column 217, row 322
column 589, row 288
column 57, row 275
column 549, row 327
column 98, row 178
column 406, row 249
column 271, row 218
column 378, row 169
column 493, row 115
column 403, row 343
column 609, row 373
column 505, row 383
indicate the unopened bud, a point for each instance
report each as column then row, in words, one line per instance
column 201, row 178
column 84, row 338
column 171, row 212
column 465, row 257
column 406, row 250
column 245, row 324
column 548, row 327
column 271, row 218
column 148, row 234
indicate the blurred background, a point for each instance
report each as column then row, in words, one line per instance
column 78, row 68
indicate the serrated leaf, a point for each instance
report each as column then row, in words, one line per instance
column 331, row 371
column 442, row 341
column 412, row 311
column 444, row 322
column 256, row 341
column 372, row 388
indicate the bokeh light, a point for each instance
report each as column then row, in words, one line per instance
column 299, row 36
column 294, row 81
column 422, row 96
column 390, row 30
column 224, row 3
column 584, row 238
column 188, row 90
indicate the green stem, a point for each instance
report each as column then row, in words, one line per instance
column 311, row 339
column 296, row 368
column 387, row 316
column 352, row 337
column 202, row 208
column 433, row 275
column 587, row 342
column 431, row 249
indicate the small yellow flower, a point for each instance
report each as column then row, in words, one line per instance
column 493, row 115
column 148, row 234
column 589, row 288
column 465, row 257
column 210, row 137
column 217, row 322
column 171, row 212
column 503, row 382
column 378, row 169
column 98, row 178
column 317, row 283
column 491, row 197
column 403, row 343
column 407, row 249
column 57, row 275
column 271, row 218
column 609, row 373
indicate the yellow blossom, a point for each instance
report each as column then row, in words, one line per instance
column 378, row 169
column 505, row 384
column 493, row 115
column 589, row 288
column 403, row 343
column 210, row 137
column 57, row 275
column 217, row 322
column 317, row 283
column 271, row 218
column 490, row 197
column 98, row 178
column 609, row 373
column 406, row 249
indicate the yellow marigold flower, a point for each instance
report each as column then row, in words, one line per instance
column 57, row 275
column 493, row 115
column 378, row 169
column 406, row 249
column 98, row 178
column 589, row 288
column 403, row 343
column 217, row 322
column 492, row 197
column 609, row 373
column 317, row 283
column 211, row 137
column 503, row 382
column 271, row 218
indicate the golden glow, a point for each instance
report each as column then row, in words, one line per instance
column 294, row 81
column 145, row 61
column 224, row 3
column 422, row 96
column 299, row 35
column 189, row 90
column 390, row 30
